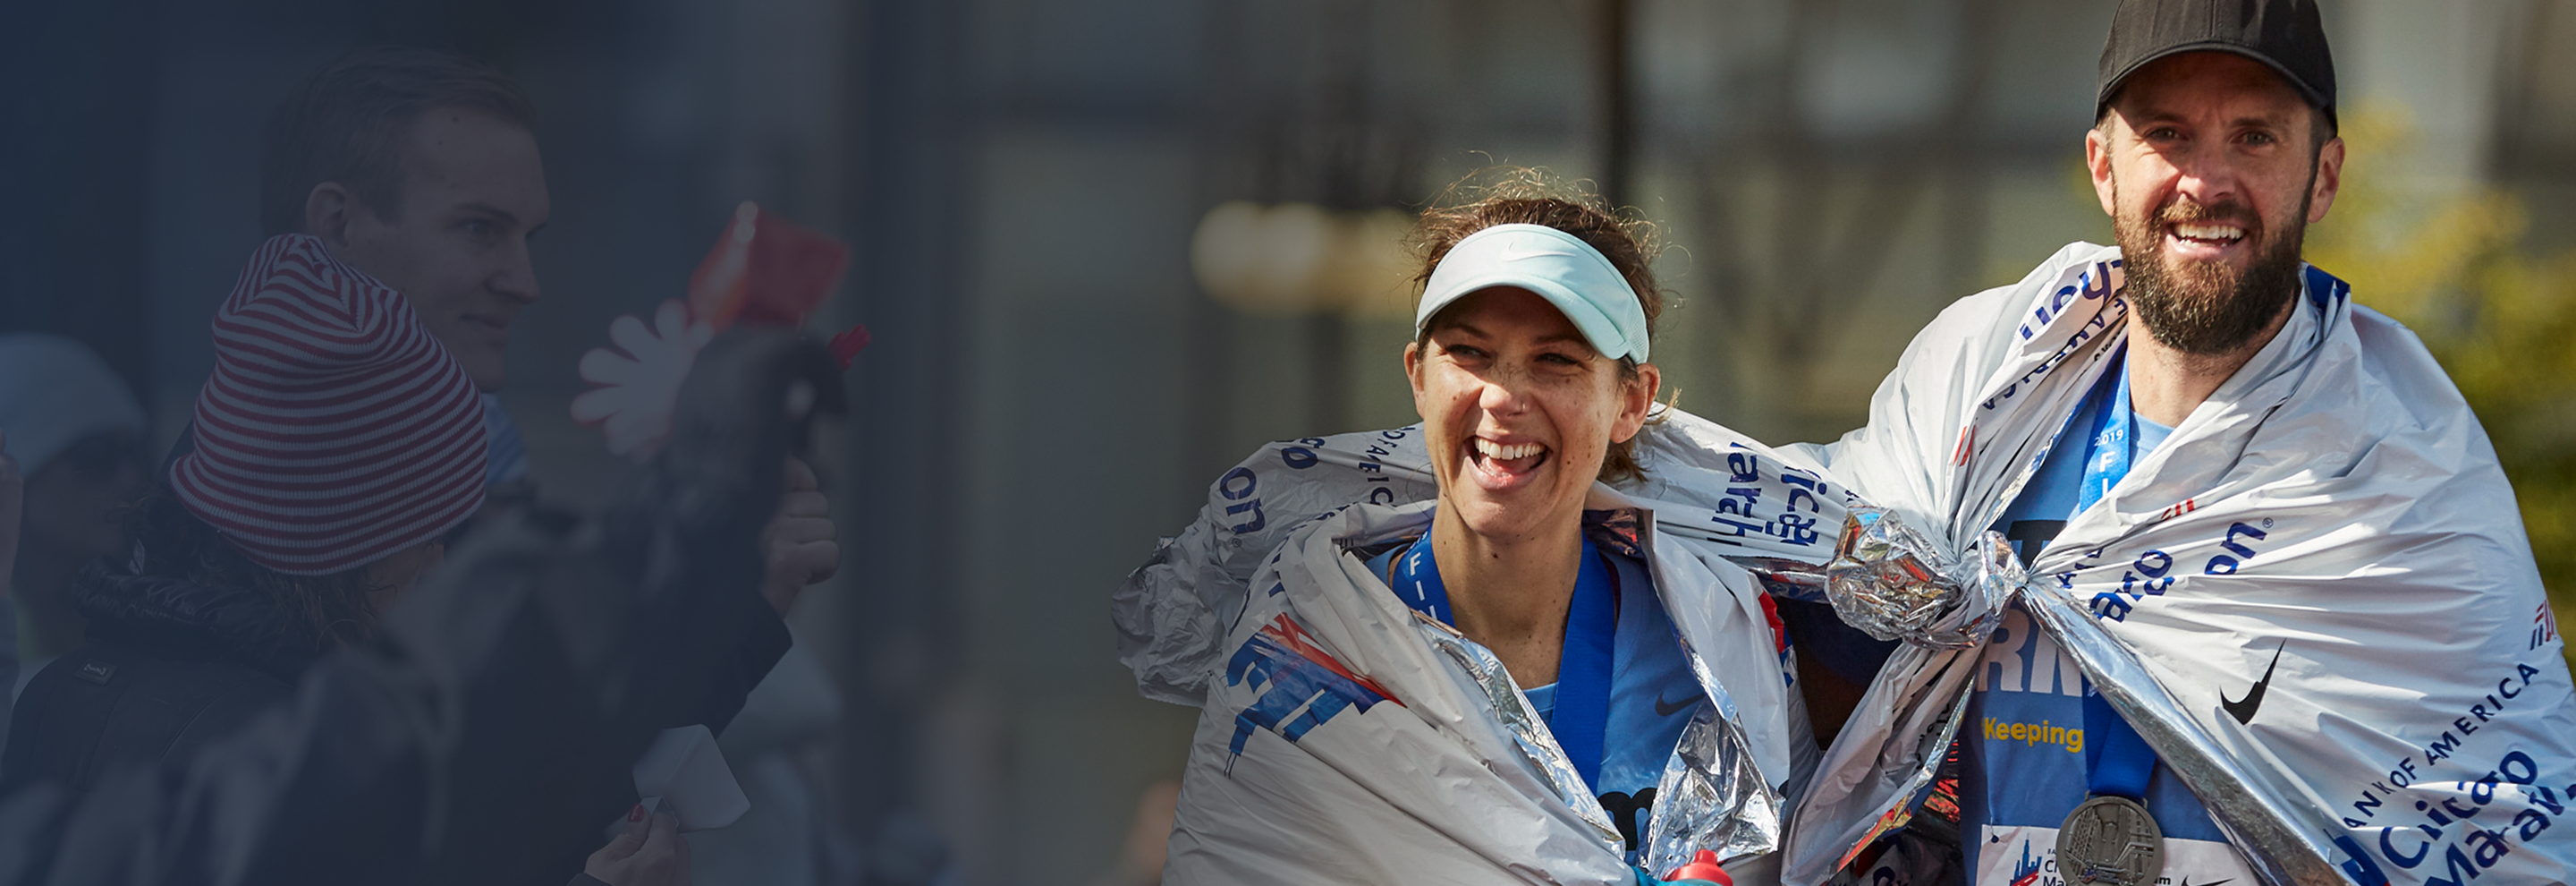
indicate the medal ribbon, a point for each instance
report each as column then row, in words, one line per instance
column 2117, row 761
column 1581, row 718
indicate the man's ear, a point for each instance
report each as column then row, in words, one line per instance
column 2329, row 179
column 327, row 209
column 2097, row 161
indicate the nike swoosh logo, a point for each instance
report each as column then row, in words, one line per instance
column 2243, row 708
column 1510, row 252
column 1667, row 710
column 2186, row 878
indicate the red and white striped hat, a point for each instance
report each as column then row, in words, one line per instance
column 334, row 430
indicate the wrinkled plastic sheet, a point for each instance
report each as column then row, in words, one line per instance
column 1533, row 740
column 1895, row 583
column 1711, row 796
column 2334, row 492
column 2252, row 803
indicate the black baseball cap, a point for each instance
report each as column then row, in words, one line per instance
column 2283, row 34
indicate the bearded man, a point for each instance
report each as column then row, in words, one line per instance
column 2280, row 621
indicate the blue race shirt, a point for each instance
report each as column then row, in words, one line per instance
column 2026, row 711
column 1652, row 695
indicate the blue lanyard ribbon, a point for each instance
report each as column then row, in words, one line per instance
column 2117, row 760
column 1581, row 718
column 2115, row 434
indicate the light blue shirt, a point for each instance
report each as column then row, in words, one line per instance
column 2026, row 711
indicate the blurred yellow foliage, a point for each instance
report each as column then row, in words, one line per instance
column 2452, row 265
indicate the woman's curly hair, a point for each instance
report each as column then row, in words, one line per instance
column 1506, row 195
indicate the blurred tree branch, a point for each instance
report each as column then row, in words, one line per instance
column 2455, row 268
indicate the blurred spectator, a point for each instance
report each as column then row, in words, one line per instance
column 334, row 448
column 509, row 673
column 422, row 170
column 76, row 433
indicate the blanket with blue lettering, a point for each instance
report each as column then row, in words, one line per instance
column 1342, row 739
column 2323, row 567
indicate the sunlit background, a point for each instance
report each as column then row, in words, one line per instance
column 1108, row 247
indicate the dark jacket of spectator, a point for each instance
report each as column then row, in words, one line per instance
column 172, row 666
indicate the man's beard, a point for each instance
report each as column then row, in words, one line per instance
column 2210, row 308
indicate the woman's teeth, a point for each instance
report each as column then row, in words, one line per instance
column 2209, row 232
column 1503, row 452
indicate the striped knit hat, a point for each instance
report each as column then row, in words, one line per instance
column 334, row 430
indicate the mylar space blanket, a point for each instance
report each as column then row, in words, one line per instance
column 2334, row 504
column 1344, row 739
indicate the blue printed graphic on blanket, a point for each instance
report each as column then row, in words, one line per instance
column 1296, row 679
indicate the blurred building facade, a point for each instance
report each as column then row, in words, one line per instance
column 1021, row 180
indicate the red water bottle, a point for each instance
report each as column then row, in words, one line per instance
column 1702, row 866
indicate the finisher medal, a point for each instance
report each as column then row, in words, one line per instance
column 2112, row 841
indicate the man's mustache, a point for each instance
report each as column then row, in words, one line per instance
column 2190, row 212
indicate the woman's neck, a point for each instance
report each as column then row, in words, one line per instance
column 1510, row 595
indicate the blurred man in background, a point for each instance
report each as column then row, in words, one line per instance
column 422, row 169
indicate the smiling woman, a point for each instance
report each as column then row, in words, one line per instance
column 1527, row 369
column 1526, row 622
column 1526, row 197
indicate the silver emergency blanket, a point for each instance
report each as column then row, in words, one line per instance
column 1345, row 739
column 2315, row 599
column 1895, row 583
